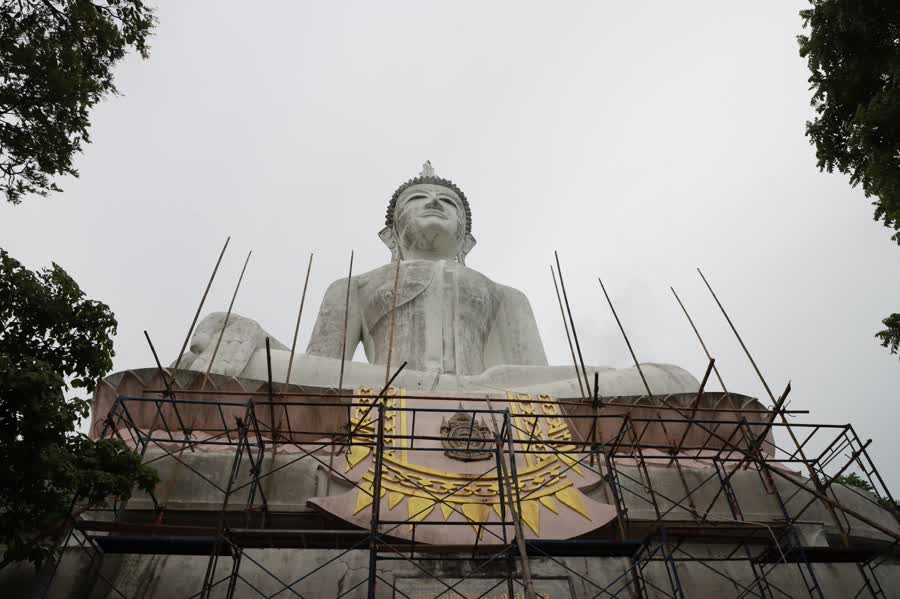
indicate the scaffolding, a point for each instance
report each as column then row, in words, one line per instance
column 654, row 527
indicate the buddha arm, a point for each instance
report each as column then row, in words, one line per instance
column 514, row 337
column 328, row 334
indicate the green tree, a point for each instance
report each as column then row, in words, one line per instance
column 56, row 59
column 52, row 338
column 853, row 52
column 853, row 480
column 890, row 336
column 856, row 481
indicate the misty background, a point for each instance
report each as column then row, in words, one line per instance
column 640, row 140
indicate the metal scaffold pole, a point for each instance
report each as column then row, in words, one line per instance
column 376, row 503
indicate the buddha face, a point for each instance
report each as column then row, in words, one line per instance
column 429, row 222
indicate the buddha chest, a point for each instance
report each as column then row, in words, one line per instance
column 440, row 319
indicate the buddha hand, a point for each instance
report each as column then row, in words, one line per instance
column 241, row 337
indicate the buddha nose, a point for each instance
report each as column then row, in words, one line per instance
column 434, row 204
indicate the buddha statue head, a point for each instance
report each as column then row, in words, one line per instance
column 428, row 218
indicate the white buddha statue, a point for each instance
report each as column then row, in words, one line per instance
column 455, row 328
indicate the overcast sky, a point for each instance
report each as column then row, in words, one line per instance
column 639, row 139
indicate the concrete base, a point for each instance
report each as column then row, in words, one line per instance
column 192, row 499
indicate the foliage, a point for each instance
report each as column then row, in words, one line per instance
column 890, row 336
column 853, row 480
column 856, row 481
column 50, row 333
column 853, row 52
column 56, row 59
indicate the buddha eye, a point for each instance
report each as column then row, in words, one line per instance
column 411, row 201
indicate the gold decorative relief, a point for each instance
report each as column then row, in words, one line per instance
column 546, row 478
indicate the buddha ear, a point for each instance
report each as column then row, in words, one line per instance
column 467, row 245
column 390, row 239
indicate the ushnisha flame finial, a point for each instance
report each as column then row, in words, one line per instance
column 427, row 170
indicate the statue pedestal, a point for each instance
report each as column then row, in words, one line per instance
column 644, row 490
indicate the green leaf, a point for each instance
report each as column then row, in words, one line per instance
column 854, row 60
column 56, row 60
column 50, row 332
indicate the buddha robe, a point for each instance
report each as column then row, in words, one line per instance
column 447, row 318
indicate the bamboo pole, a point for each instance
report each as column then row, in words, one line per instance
column 227, row 316
column 813, row 475
column 212, row 277
column 562, row 313
column 287, row 377
column 638, row 366
column 562, row 284
column 700, row 339
column 625, row 336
